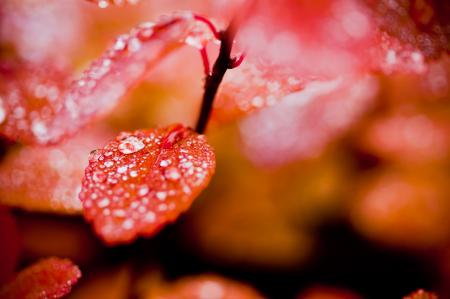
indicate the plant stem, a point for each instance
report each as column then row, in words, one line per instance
column 223, row 63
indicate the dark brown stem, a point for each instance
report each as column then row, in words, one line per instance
column 223, row 63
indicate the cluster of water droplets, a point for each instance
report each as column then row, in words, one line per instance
column 134, row 184
column 106, row 76
column 200, row 35
column 392, row 56
column 47, row 178
column 54, row 108
column 254, row 85
column 421, row 26
column 303, row 123
column 29, row 101
column 413, row 138
column 107, row 3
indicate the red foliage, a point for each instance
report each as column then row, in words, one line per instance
column 209, row 286
column 334, row 38
column 253, row 85
column 404, row 209
column 49, row 278
column 142, row 180
column 304, row 122
column 48, row 179
column 37, row 105
column 106, row 3
column 410, row 137
column 421, row 294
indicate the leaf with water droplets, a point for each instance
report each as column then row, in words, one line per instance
column 39, row 104
column 48, row 278
column 209, row 286
column 303, row 123
column 338, row 37
column 143, row 180
column 30, row 98
column 252, row 86
column 106, row 3
column 47, row 179
column 421, row 294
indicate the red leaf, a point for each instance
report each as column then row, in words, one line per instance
column 142, row 180
column 252, row 86
column 38, row 106
column 49, row 278
column 421, row 294
column 48, row 179
column 303, row 123
column 416, row 24
column 335, row 38
column 410, row 137
column 40, row 31
column 30, row 99
column 106, row 3
column 403, row 209
column 209, row 286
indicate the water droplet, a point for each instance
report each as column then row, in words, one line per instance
column 94, row 155
column 128, row 224
column 293, row 81
column 150, row 217
column 103, row 203
column 39, row 129
column 103, row 4
column 99, row 176
column 131, row 145
column 186, row 189
column 162, row 207
column 133, row 173
column 108, row 163
column 187, row 164
column 161, row 195
column 164, row 163
column 134, row 45
column 146, row 30
column 172, row 174
column 122, row 169
column 119, row 213
column 258, row 101
column 120, row 43
column 2, row 111
column 143, row 190
column 19, row 112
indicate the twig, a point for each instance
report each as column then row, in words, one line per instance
column 223, row 63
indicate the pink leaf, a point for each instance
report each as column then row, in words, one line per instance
column 302, row 124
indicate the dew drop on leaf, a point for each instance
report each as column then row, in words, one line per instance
column 130, row 145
